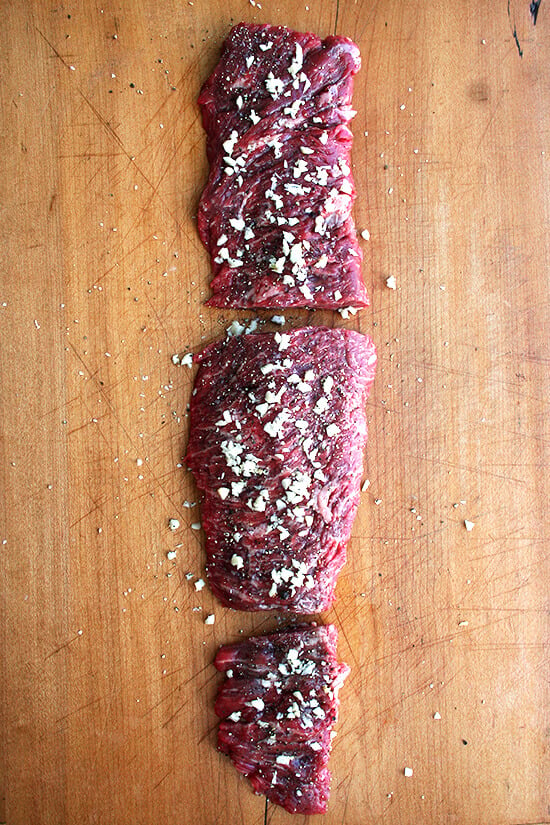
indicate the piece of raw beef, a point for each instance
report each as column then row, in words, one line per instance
column 275, row 215
column 278, row 704
column 277, row 431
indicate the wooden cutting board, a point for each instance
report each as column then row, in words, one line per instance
column 107, row 683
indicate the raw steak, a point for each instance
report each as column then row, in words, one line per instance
column 278, row 705
column 277, row 432
column 275, row 214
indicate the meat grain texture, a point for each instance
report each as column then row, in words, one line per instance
column 275, row 215
column 278, row 704
column 277, row 431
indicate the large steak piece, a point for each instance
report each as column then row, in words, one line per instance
column 277, row 431
column 278, row 704
column 275, row 215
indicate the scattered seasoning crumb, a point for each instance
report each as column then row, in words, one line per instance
column 173, row 524
column 391, row 283
column 139, row 462
column 437, row 715
column 365, row 234
column 171, row 555
column 199, row 584
column 463, row 623
column 365, row 485
column 408, row 771
column 279, row 319
column 183, row 360
column 469, row 525
column 210, row 619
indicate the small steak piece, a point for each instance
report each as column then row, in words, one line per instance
column 277, row 432
column 275, row 215
column 278, row 705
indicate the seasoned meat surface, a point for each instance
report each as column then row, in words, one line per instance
column 277, row 432
column 278, row 704
column 275, row 215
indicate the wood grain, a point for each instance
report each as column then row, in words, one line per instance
column 107, row 682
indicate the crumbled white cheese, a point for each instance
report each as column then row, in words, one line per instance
column 237, row 223
column 210, row 619
column 171, row 555
column 332, row 430
column 391, row 283
column 469, row 525
column 237, row 561
column 408, row 771
column 173, row 524
column 254, row 117
column 235, row 716
column 199, row 584
column 437, row 715
column 223, row 492
column 365, row 234
column 257, row 704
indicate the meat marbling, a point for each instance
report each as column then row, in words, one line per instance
column 277, row 431
column 278, row 704
column 275, row 215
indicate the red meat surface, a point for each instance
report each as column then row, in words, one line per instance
column 278, row 704
column 277, row 431
column 275, row 215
